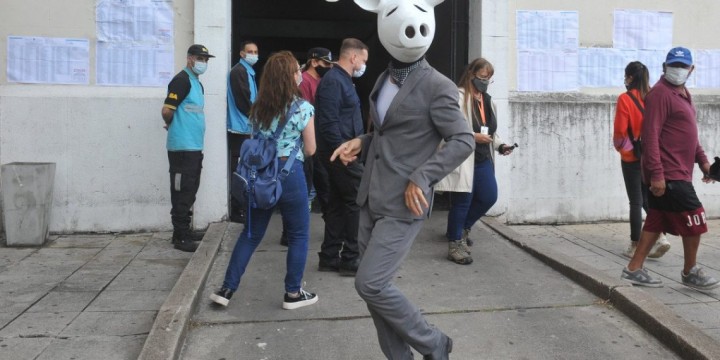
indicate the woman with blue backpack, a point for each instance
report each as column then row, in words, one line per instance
column 280, row 115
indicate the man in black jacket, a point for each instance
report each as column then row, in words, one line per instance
column 339, row 119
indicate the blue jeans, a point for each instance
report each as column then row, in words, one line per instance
column 295, row 214
column 468, row 208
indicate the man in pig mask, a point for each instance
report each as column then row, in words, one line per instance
column 413, row 107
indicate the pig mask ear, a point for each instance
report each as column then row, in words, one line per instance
column 372, row 5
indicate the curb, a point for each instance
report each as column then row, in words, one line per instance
column 658, row 319
column 166, row 337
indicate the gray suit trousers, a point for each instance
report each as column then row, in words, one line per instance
column 383, row 243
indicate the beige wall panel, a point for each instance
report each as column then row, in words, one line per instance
column 692, row 22
column 75, row 19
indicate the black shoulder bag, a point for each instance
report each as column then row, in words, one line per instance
column 636, row 143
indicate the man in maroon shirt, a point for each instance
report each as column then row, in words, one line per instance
column 670, row 149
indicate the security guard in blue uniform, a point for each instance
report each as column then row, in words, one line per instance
column 185, row 124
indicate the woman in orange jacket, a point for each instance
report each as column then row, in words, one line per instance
column 627, row 129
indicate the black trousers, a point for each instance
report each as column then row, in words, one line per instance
column 185, row 169
column 637, row 194
column 234, row 142
column 321, row 183
column 343, row 213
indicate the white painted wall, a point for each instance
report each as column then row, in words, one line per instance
column 489, row 38
column 566, row 169
column 108, row 142
column 569, row 171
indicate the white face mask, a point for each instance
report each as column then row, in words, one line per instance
column 251, row 59
column 199, row 67
column 676, row 76
column 358, row 73
column 298, row 79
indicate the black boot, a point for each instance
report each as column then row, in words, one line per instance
column 194, row 236
column 184, row 241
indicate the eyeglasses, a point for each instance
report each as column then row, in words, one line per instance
column 487, row 81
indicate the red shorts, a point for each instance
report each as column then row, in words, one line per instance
column 686, row 223
column 677, row 212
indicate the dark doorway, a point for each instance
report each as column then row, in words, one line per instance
column 300, row 25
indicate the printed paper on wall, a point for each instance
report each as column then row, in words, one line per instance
column 47, row 60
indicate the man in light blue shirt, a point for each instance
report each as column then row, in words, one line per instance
column 185, row 122
column 241, row 92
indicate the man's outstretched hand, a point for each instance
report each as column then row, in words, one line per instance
column 348, row 151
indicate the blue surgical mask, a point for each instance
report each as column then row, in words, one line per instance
column 251, row 59
column 360, row 72
column 199, row 67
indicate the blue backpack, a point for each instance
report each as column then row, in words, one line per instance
column 256, row 183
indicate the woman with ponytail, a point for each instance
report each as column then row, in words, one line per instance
column 626, row 138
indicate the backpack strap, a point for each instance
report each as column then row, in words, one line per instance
column 285, row 171
column 642, row 111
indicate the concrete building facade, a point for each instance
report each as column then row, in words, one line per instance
column 109, row 144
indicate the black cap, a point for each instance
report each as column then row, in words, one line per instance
column 198, row 49
column 320, row 53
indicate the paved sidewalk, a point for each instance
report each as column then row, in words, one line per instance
column 601, row 245
column 84, row 296
column 99, row 296
column 506, row 305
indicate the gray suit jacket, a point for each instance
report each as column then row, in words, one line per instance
column 405, row 147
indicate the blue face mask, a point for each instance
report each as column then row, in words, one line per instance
column 251, row 59
column 358, row 73
column 199, row 67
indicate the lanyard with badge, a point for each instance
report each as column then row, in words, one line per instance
column 481, row 108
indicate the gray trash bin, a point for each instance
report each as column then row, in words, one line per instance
column 27, row 193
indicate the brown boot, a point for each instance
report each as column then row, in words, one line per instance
column 466, row 237
column 457, row 254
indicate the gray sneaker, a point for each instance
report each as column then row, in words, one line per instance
column 697, row 279
column 640, row 277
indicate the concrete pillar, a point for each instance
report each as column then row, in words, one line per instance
column 27, row 193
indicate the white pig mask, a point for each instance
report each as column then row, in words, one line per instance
column 406, row 27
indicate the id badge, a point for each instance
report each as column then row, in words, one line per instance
column 484, row 130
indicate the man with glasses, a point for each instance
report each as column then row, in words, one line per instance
column 185, row 124
column 674, row 207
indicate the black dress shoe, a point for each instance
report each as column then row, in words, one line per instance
column 332, row 264
column 349, row 267
column 444, row 354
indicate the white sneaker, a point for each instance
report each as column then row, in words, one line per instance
column 630, row 251
column 660, row 248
